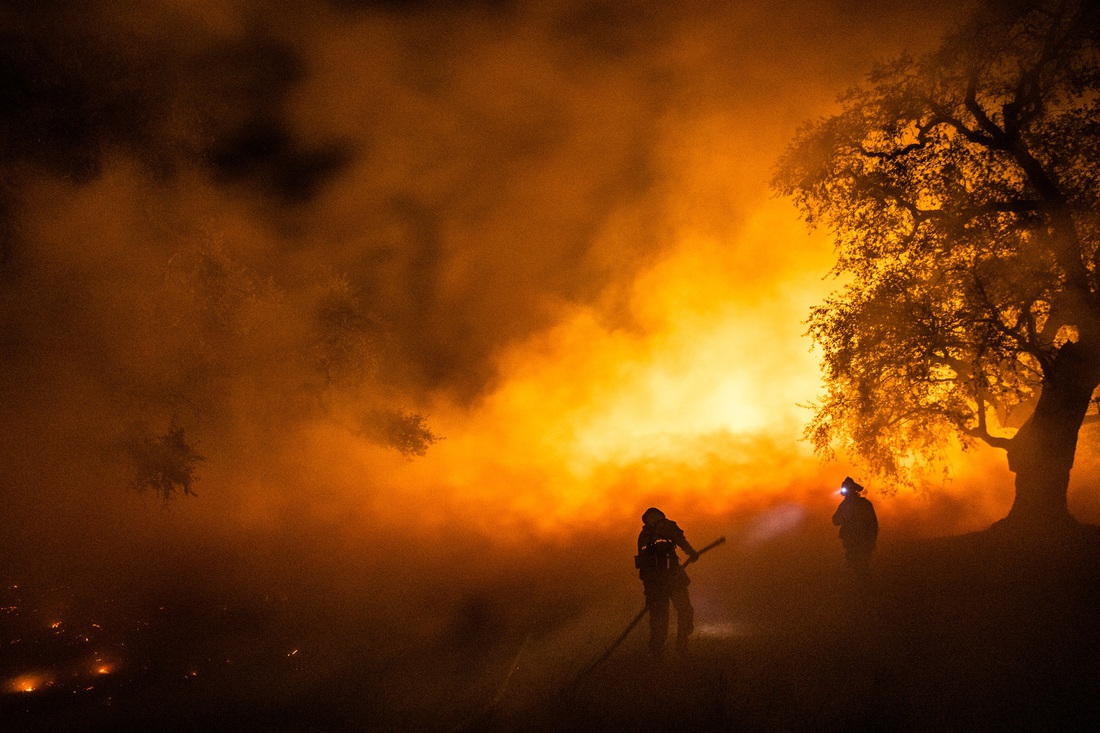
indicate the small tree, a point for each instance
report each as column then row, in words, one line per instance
column 962, row 190
column 164, row 463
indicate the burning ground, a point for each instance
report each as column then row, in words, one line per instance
column 982, row 630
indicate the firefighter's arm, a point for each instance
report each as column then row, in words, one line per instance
column 670, row 531
column 838, row 515
column 683, row 544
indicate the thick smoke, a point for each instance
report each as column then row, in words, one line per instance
column 232, row 220
column 429, row 287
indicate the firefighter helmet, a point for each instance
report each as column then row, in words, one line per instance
column 849, row 486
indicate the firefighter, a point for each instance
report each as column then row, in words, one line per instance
column 858, row 527
column 664, row 580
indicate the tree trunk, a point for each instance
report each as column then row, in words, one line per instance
column 1041, row 454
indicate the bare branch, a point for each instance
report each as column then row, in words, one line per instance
column 1027, row 102
column 997, row 136
column 921, row 141
column 1026, row 341
column 994, row 441
column 893, row 154
column 982, row 431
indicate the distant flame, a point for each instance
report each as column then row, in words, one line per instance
column 28, row 683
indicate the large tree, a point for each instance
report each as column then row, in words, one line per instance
column 963, row 191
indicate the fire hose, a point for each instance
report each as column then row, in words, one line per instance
column 641, row 614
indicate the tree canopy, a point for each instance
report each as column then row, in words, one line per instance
column 962, row 190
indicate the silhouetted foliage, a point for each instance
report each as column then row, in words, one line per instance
column 349, row 337
column 406, row 432
column 164, row 463
column 349, row 351
column 962, row 189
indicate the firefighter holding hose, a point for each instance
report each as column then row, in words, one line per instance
column 664, row 580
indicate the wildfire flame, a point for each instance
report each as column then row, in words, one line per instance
column 29, row 682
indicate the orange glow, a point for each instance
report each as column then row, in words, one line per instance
column 28, row 682
column 613, row 317
column 696, row 401
column 692, row 398
column 288, row 231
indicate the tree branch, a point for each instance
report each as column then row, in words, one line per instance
column 982, row 431
column 1067, row 244
column 995, row 441
column 1028, row 100
column 996, row 134
column 940, row 116
column 1026, row 341
column 920, row 142
column 943, row 359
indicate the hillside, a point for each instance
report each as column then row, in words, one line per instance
column 986, row 631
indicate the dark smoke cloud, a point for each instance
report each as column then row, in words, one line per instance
column 287, row 231
column 110, row 293
column 82, row 85
column 474, row 156
column 275, row 235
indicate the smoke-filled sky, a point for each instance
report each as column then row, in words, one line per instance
column 292, row 230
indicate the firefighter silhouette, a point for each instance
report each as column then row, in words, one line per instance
column 858, row 527
column 664, row 580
